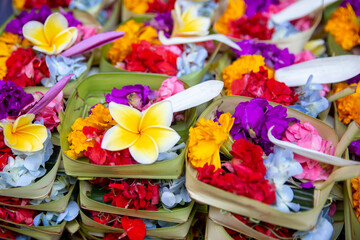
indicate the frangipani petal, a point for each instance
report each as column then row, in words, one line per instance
column 36, row 130
column 189, row 23
column 23, row 121
column 158, row 114
column 126, row 116
column 118, row 138
column 24, row 136
column 34, row 32
column 50, row 50
column 164, row 137
column 145, row 150
column 54, row 24
column 64, row 39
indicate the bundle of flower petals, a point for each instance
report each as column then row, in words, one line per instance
column 234, row 153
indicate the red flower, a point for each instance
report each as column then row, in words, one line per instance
column 100, row 156
column 258, row 85
column 17, row 215
column 254, row 27
column 50, row 3
column 159, row 6
column 250, row 155
column 134, row 194
column 25, row 69
column 5, row 153
column 146, row 57
column 245, row 175
column 135, row 228
column 7, row 234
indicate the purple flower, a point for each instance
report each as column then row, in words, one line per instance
column 136, row 96
column 355, row 147
column 73, row 22
column 162, row 22
column 274, row 57
column 254, row 119
column 307, row 185
column 355, row 4
column 254, row 6
column 12, row 99
column 352, row 80
column 15, row 26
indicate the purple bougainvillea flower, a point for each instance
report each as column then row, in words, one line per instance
column 12, row 99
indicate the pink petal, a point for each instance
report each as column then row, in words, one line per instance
column 92, row 42
column 50, row 95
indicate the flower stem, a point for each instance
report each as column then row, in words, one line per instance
column 226, row 147
column 343, row 93
column 351, row 132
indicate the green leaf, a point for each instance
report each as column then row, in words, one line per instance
column 334, row 48
column 97, row 193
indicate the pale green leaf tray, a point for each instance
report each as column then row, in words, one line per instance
column 53, row 230
column 178, row 214
column 32, row 233
column 53, row 206
column 91, row 91
column 88, row 20
column 38, row 190
column 178, row 231
column 215, row 231
column 219, row 198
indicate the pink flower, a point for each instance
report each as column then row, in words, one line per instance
column 168, row 88
column 304, row 56
column 50, row 113
column 325, row 90
column 174, row 49
column 85, row 32
column 306, row 136
column 275, row 8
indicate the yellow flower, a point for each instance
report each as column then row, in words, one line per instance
column 235, row 9
column 242, row 65
column 137, row 6
column 134, row 33
column 348, row 107
column 8, row 43
column 24, row 136
column 344, row 26
column 99, row 118
column 356, row 196
column 188, row 23
column 53, row 37
column 205, row 140
column 19, row 4
column 145, row 134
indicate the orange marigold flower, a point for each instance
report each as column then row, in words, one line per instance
column 348, row 107
column 137, row 6
column 134, row 33
column 356, row 196
column 206, row 138
column 344, row 26
column 241, row 66
column 8, row 43
column 234, row 10
column 99, row 118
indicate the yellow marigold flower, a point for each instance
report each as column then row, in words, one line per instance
column 235, row 9
column 19, row 4
column 8, row 43
column 205, row 140
column 344, row 26
column 99, row 118
column 242, row 65
column 356, row 196
column 137, row 6
column 134, row 33
column 348, row 107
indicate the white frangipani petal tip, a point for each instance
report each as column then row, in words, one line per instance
column 324, row 70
